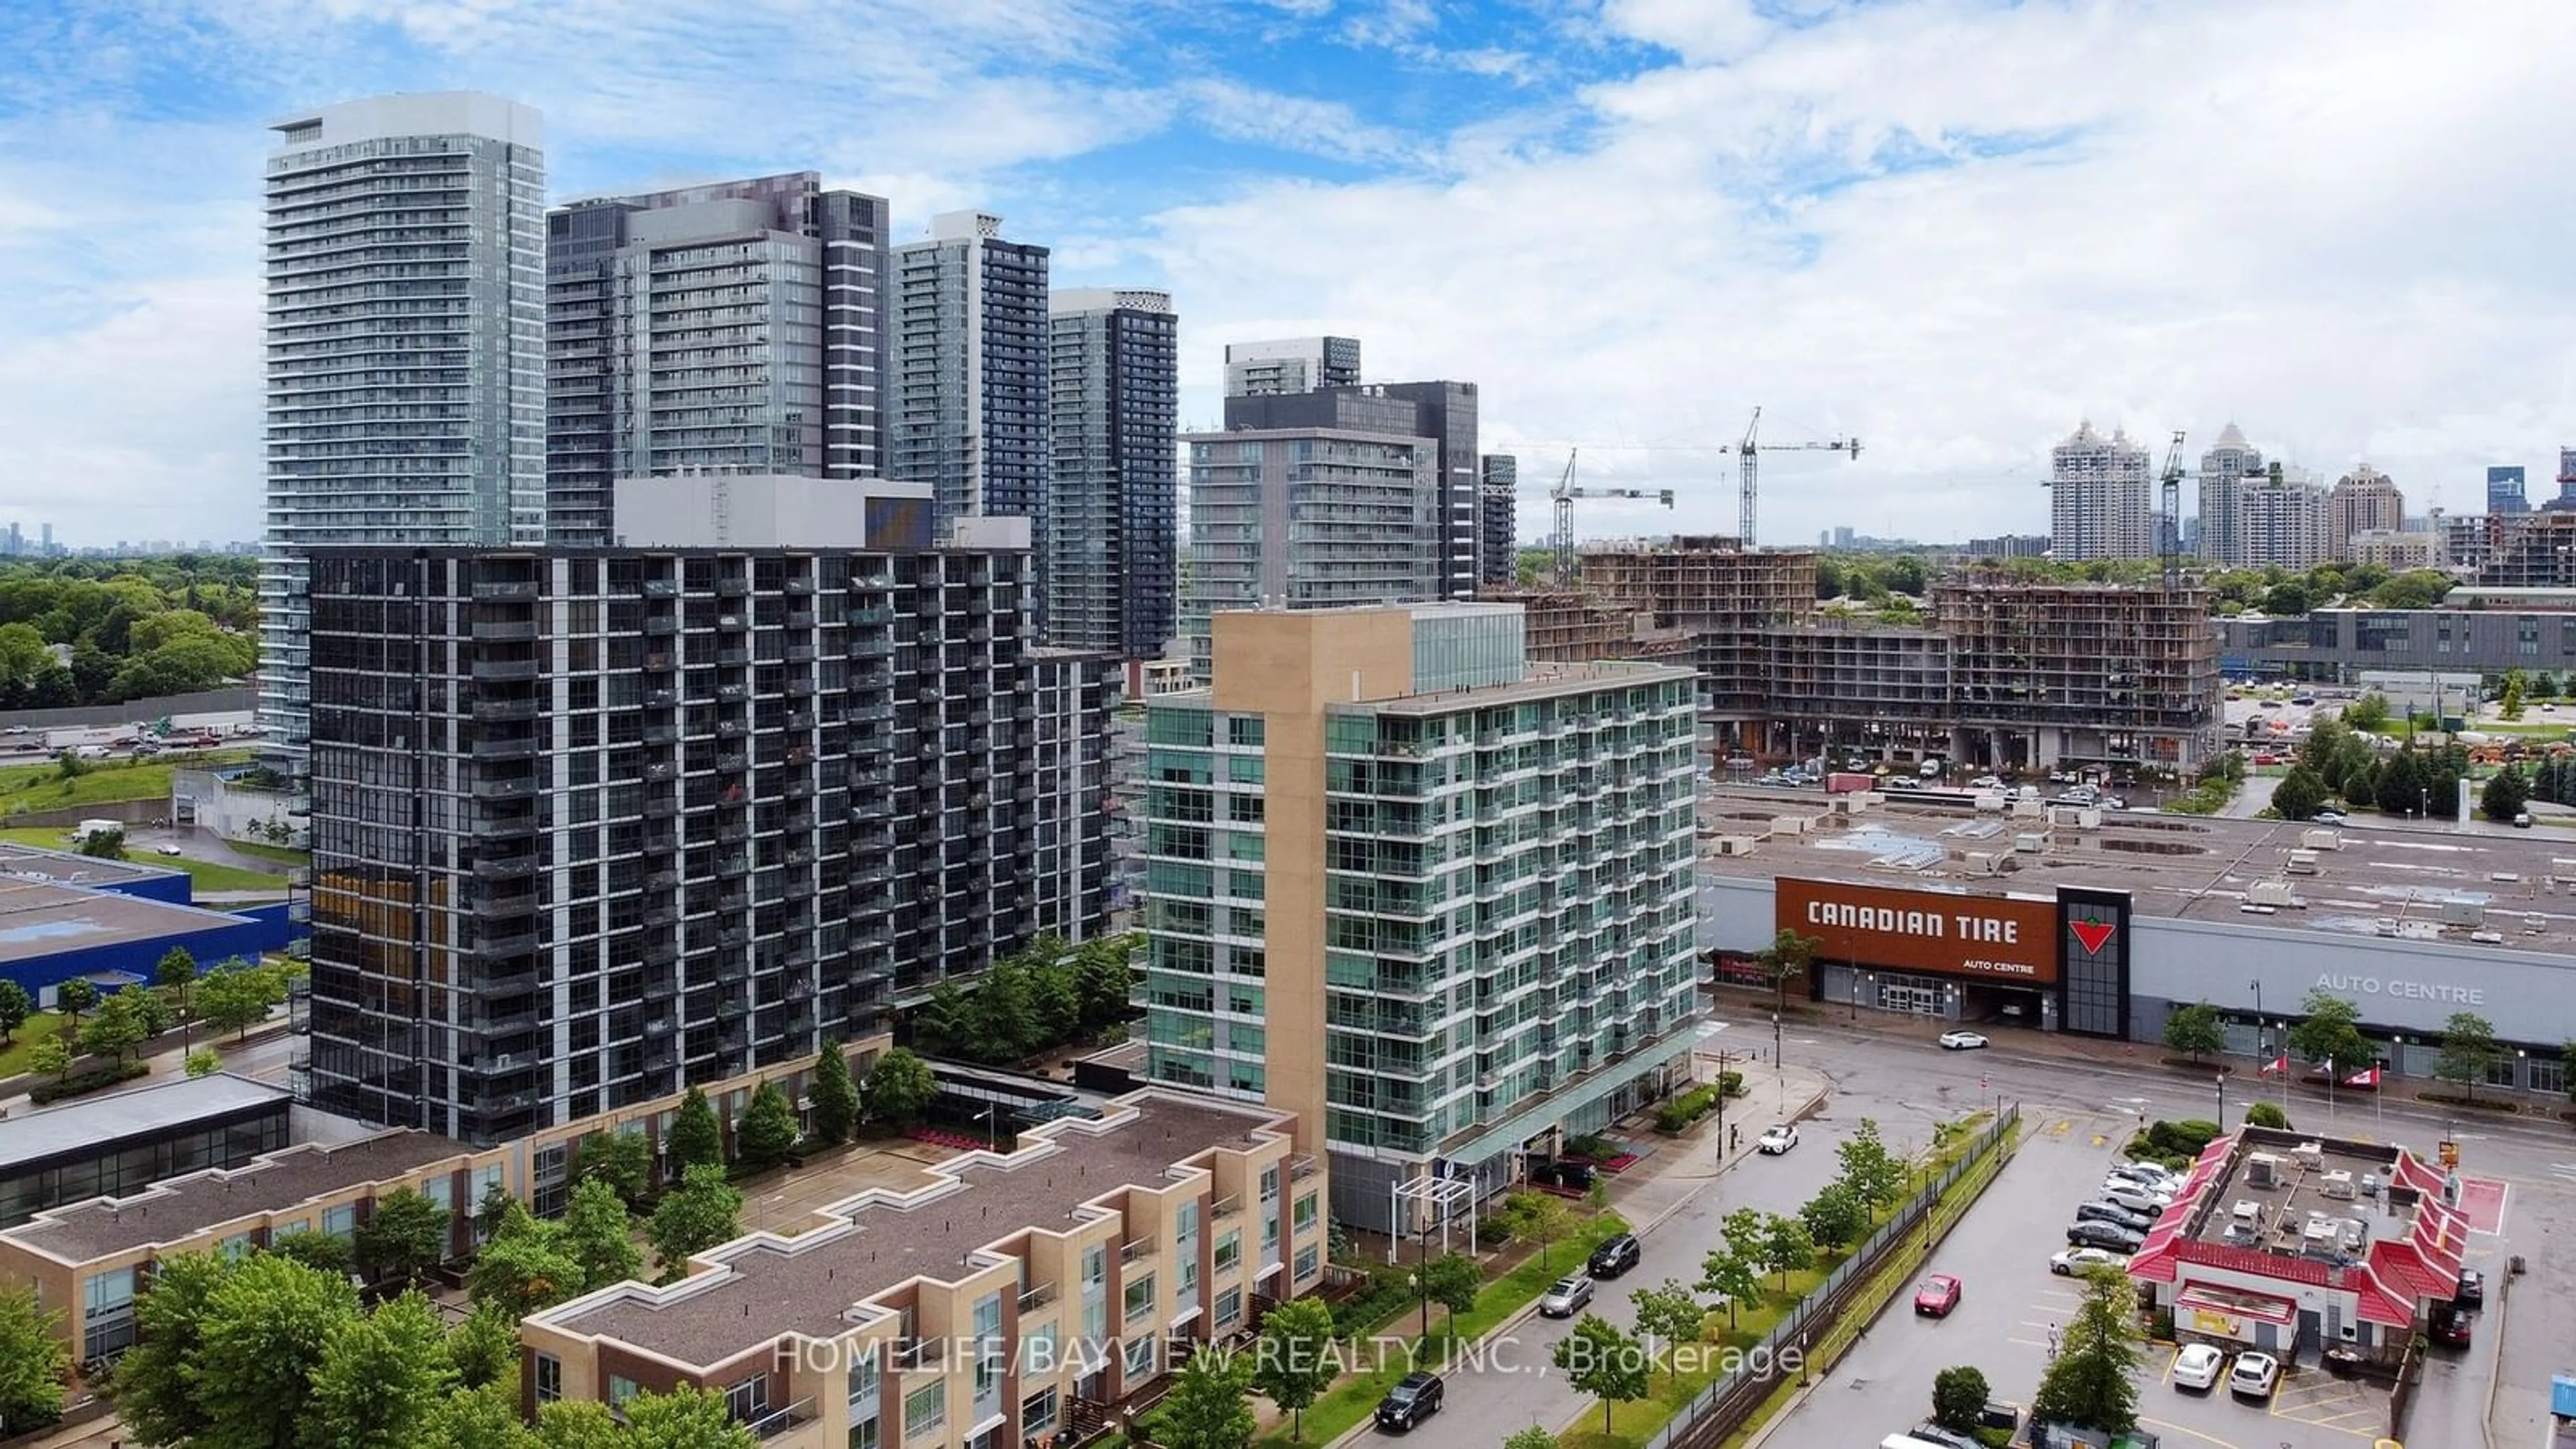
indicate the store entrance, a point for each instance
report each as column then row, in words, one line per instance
column 1913, row 999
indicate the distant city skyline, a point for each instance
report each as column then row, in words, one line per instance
column 1849, row 198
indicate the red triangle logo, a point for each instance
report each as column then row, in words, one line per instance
column 2094, row 934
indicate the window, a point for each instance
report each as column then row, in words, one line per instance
column 549, row 1378
column 925, row 1409
column 1304, row 1213
column 863, row 1435
column 1038, row 1351
column 620, row 1389
column 340, row 1222
column 235, row 1248
column 1140, row 1360
column 1095, row 1321
column 1140, row 1296
column 1037, row 1413
column 1270, row 1182
column 1270, row 1233
column 863, row 1377
column 748, row 1401
column 1095, row 1265
column 1229, row 1307
column 1306, row 1262
column 1229, row 1250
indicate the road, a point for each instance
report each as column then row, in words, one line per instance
column 2078, row 1112
column 2252, row 798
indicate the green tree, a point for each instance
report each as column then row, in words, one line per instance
column 900, row 1088
column 767, row 1132
column 526, row 1266
column 204, row 1062
column 1208, row 1406
column 1835, row 1216
column 1104, row 979
column 1295, row 1363
column 2470, row 1051
column 684, row 1418
column 1451, row 1280
column 1535, row 1436
column 2267, row 1114
column 150, row 1385
column 1604, row 1363
column 1869, row 1168
column 51, row 1057
column 117, row 1027
column 494, row 1211
column 380, row 1377
column 2329, row 1031
column 579, row 1424
column 1539, row 1218
column 484, row 1417
column 2300, row 794
column 2511, row 701
column 1786, row 959
column 2400, row 786
column 1959, row 1398
column 2367, row 713
column 103, row 844
column 835, row 1096
column 322, row 1252
column 33, row 1363
column 695, row 1139
column 1786, row 1248
column 234, row 997
column 623, row 1160
column 701, row 1212
column 75, row 996
column 2195, row 1031
column 485, row 1349
column 15, row 1007
column 2506, row 794
column 1669, row 1311
column 1730, row 1275
column 260, row 1346
column 595, row 1233
column 2093, row 1379
column 175, row 973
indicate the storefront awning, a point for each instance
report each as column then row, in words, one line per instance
column 2214, row 1300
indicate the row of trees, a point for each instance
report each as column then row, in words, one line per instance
column 135, row 629
column 1050, row 993
column 2328, row 1031
column 233, row 997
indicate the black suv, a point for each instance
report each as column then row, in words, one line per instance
column 2116, row 1215
column 1615, row 1256
column 1414, row 1398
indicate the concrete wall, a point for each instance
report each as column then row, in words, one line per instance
column 93, row 716
column 230, row 810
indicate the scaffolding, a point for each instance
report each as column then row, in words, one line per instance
column 1720, row 595
column 2072, row 671
column 1564, row 626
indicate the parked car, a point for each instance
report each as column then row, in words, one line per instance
column 1566, row 1298
column 1938, row 1295
column 2255, row 1376
column 2114, row 1214
column 2328, row 817
column 2067, row 1262
column 1615, row 1256
column 2092, row 1234
column 1962, row 1041
column 2153, row 1174
column 2450, row 1325
column 167, row 850
column 1986, row 782
column 1777, row 1139
column 2522, row 820
column 1414, row 1398
column 2472, row 1293
column 2137, row 1197
column 2198, row 1367
column 1931, row 1434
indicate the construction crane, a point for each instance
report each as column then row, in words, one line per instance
column 2171, row 544
column 1564, row 494
column 1749, row 460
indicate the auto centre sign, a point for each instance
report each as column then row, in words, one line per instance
column 2004, row 939
column 2352, row 987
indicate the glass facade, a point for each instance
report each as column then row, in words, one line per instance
column 1111, row 533
column 127, row 1166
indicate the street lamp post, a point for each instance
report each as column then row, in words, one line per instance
column 1855, row 1004
column 2222, row 1101
column 1777, row 1070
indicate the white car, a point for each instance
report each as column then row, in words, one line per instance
column 167, row 850
column 1961, row 1041
column 1776, row 1140
column 2068, row 1262
column 2136, row 1196
column 2255, row 1376
column 2198, row 1367
column 1986, row 782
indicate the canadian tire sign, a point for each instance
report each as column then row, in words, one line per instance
column 1946, row 933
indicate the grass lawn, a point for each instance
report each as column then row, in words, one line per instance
column 1639, row 1420
column 40, row 786
column 42, row 1026
column 1354, row 1399
column 208, row 875
column 282, row 854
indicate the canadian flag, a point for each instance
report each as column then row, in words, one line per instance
column 2280, row 1063
column 2368, row 1077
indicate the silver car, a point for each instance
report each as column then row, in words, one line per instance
column 1568, row 1297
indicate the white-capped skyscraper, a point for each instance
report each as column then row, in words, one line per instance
column 406, row 348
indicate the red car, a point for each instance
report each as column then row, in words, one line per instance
column 1938, row 1295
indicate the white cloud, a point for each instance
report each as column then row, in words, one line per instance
column 2319, row 219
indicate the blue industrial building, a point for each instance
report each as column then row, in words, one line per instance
column 64, row 915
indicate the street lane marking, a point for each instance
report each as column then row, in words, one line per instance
column 2161, row 1427
column 2061, row 1127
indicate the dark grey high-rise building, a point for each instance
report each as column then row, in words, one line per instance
column 1291, row 364
column 1497, row 520
column 972, row 409
column 738, row 326
column 1112, row 527
column 1443, row 412
column 590, row 825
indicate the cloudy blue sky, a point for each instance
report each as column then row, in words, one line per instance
column 1955, row 227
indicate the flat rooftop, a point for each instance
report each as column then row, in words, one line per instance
column 2378, row 882
column 2308, row 1180
column 179, row 1209
column 69, row 867
column 803, row 1284
column 40, row 918
column 1543, row 681
column 97, row 1124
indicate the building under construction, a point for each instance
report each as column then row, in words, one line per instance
column 1568, row 626
column 2047, row 672
column 1716, row 593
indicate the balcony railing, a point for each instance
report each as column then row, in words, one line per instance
column 779, row 1421
column 1137, row 1251
column 1037, row 1298
column 1225, row 1207
column 1303, row 1166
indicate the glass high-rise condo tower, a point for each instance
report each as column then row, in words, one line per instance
column 406, row 349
